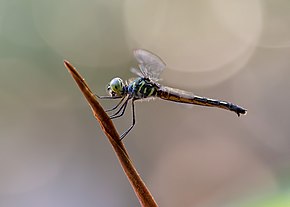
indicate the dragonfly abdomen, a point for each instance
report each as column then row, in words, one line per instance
column 176, row 95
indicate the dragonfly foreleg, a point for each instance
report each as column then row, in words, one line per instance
column 112, row 109
column 121, row 109
column 108, row 97
column 133, row 122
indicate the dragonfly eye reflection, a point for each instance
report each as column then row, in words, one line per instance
column 147, row 86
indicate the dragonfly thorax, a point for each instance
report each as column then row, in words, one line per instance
column 116, row 87
column 142, row 88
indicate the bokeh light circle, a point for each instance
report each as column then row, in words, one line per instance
column 198, row 37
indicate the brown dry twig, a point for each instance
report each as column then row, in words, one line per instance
column 143, row 194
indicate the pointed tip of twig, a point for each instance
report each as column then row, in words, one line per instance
column 67, row 64
column 73, row 71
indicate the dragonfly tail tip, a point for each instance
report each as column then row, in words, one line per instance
column 241, row 111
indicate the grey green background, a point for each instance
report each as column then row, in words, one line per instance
column 52, row 150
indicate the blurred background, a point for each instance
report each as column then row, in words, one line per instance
column 52, row 150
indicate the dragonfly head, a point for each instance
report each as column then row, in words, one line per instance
column 116, row 87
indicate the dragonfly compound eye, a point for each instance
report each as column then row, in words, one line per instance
column 117, row 86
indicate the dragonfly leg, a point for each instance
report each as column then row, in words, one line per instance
column 133, row 122
column 108, row 97
column 112, row 109
column 112, row 97
column 121, row 109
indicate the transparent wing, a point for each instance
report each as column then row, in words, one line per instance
column 137, row 72
column 150, row 64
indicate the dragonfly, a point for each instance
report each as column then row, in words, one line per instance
column 146, row 85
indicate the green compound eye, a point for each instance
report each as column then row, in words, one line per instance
column 117, row 86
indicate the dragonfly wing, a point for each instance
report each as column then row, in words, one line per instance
column 150, row 64
column 137, row 72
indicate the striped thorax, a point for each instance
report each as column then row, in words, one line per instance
column 142, row 88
